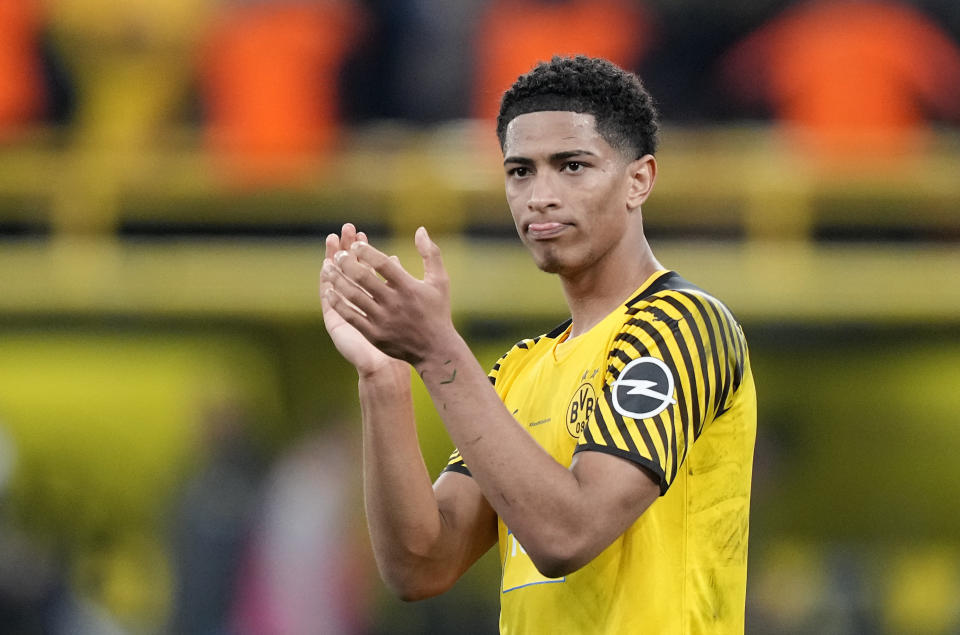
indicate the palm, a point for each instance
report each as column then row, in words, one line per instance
column 354, row 347
column 351, row 343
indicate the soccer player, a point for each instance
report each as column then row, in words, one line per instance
column 610, row 458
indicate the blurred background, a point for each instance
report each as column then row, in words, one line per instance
column 179, row 442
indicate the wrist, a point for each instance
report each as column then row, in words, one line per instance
column 392, row 373
column 446, row 351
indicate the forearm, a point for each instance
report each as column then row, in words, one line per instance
column 561, row 516
column 402, row 512
column 541, row 501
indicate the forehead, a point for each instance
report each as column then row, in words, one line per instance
column 552, row 131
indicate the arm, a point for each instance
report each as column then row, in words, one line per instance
column 423, row 537
column 562, row 517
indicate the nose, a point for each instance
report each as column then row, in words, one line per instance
column 543, row 194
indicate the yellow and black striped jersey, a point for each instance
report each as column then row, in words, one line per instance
column 665, row 382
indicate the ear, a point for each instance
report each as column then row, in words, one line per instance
column 642, row 173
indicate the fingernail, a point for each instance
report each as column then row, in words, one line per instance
column 340, row 255
column 356, row 245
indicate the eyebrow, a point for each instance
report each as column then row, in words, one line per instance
column 556, row 156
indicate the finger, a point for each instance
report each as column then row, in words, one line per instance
column 328, row 271
column 363, row 275
column 362, row 237
column 334, row 269
column 332, row 246
column 356, row 295
column 390, row 268
column 430, row 253
column 331, row 267
column 325, row 280
column 346, row 310
column 348, row 234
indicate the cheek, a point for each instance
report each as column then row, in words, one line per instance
column 516, row 210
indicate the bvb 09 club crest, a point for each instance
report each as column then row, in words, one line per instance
column 580, row 409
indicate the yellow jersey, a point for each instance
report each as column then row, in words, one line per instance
column 663, row 381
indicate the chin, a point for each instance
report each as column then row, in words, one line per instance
column 550, row 267
column 552, row 258
column 551, row 264
column 547, row 262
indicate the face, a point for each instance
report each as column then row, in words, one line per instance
column 572, row 195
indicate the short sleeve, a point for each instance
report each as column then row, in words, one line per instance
column 456, row 464
column 670, row 371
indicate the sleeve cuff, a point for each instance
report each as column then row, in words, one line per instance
column 652, row 468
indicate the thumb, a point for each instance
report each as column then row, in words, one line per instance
column 430, row 253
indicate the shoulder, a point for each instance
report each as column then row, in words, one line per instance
column 524, row 351
column 672, row 303
column 682, row 325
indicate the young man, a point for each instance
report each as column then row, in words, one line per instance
column 610, row 458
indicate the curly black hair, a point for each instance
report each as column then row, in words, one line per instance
column 624, row 111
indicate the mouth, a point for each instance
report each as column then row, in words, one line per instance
column 545, row 231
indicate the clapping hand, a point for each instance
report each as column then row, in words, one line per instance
column 374, row 308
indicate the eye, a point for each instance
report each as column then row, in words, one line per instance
column 573, row 166
column 518, row 172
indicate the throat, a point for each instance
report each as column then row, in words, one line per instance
column 592, row 298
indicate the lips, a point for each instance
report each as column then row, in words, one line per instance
column 543, row 231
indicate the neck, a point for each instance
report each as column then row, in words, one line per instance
column 592, row 294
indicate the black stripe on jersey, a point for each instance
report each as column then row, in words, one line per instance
column 660, row 315
column 682, row 401
column 741, row 354
column 736, row 343
column 625, row 432
column 687, row 314
column 522, row 344
column 700, row 302
column 681, row 341
column 676, row 443
column 694, row 401
column 604, row 431
column 641, row 351
column 495, row 371
column 613, row 370
column 667, row 445
column 638, row 346
column 459, row 467
column 726, row 323
column 623, row 356
column 559, row 329
column 655, row 470
column 736, row 347
column 587, row 436
column 735, row 332
column 724, row 349
column 669, row 280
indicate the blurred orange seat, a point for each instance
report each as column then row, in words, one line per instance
column 269, row 84
column 513, row 35
column 850, row 77
column 22, row 98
